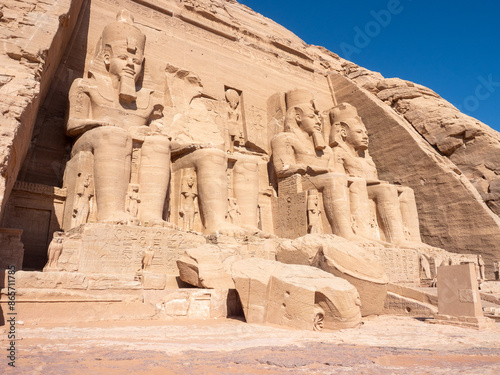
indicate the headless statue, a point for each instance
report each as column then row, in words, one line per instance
column 313, row 213
column 84, row 193
column 198, row 144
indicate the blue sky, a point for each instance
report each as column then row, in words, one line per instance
column 452, row 47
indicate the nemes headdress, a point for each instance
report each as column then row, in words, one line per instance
column 297, row 97
column 123, row 30
column 342, row 112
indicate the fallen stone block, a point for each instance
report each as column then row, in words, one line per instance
column 295, row 296
column 343, row 259
column 203, row 267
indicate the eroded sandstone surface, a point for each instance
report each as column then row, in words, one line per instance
column 151, row 144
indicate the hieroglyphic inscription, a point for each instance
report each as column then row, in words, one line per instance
column 401, row 265
column 292, row 215
column 120, row 249
column 255, row 129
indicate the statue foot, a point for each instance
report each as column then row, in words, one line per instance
column 153, row 222
column 364, row 242
column 168, row 224
column 229, row 229
column 404, row 244
column 251, row 230
column 118, row 218
column 50, row 269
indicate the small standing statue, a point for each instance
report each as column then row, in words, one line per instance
column 133, row 201
column 84, row 194
column 189, row 203
column 54, row 252
column 233, row 212
column 496, row 269
column 147, row 259
column 233, row 118
column 480, row 263
column 313, row 213
column 425, row 267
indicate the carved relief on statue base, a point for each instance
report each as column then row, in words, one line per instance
column 121, row 249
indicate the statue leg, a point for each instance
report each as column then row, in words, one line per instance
column 154, row 177
column 112, row 149
column 211, row 165
column 389, row 210
column 360, row 206
column 409, row 212
column 246, row 191
column 335, row 201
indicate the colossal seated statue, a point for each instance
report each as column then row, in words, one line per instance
column 301, row 150
column 199, row 143
column 345, row 175
column 108, row 111
column 395, row 205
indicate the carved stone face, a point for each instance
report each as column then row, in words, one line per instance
column 309, row 120
column 122, row 62
column 356, row 135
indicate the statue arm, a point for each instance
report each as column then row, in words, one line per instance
column 336, row 163
column 79, row 119
column 284, row 157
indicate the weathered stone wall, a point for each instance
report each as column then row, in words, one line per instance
column 33, row 37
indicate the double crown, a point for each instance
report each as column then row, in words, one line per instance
column 124, row 31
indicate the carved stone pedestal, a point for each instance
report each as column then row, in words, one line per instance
column 120, row 249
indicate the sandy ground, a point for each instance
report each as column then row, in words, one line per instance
column 382, row 345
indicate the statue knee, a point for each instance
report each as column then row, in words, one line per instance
column 246, row 166
column 386, row 192
column 210, row 156
column 109, row 136
column 156, row 144
column 357, row 184
column 406, row 192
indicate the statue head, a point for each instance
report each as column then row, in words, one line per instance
column 302, row 113
column 122, row 48
column 348, row 125
column 233, row 98
column 188, row 180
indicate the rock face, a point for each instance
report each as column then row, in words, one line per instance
column 174, row 127
column 471, row 145
column 34, row 38
column 294, row 295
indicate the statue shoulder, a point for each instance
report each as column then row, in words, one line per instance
column 284, row 137
column 83, row 85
